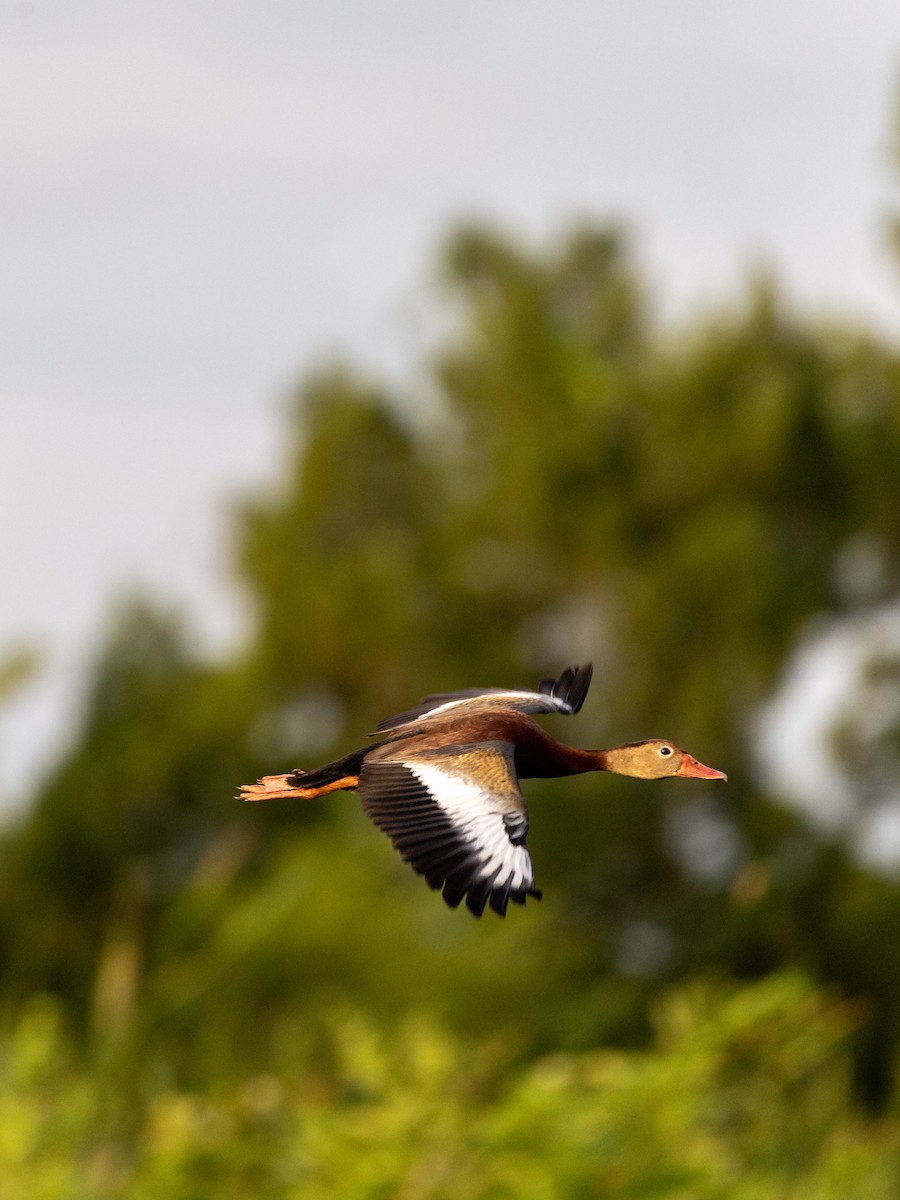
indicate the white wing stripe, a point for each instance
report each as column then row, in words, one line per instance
column 479, row 819
column 547, row 703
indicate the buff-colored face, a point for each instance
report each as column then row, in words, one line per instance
column 658, row 759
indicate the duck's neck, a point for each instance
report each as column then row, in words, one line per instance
column 543, row 756
column 548, row 757
column 579, row 762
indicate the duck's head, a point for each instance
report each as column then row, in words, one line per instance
column 657, row 758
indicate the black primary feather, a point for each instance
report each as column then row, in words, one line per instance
column 571, row 687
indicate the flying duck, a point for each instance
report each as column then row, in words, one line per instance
column 443, row 782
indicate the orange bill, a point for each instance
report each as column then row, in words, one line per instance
column 691, row 769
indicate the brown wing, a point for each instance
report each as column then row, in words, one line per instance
column 564, row 695
column 458, row 818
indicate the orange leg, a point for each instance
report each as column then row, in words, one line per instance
column 276, row 787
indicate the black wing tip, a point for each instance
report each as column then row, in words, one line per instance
column 479, row 896
column 571, row 687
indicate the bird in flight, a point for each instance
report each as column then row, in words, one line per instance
column 443, row 782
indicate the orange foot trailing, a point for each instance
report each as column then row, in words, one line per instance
column 279, row 787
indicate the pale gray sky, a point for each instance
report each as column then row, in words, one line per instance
column 200, row 199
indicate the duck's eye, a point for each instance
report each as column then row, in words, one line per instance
column 665, row 751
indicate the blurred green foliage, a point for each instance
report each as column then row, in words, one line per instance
column 197, row 993
column 744, row 1097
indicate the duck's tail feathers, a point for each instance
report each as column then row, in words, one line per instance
column 341, row 775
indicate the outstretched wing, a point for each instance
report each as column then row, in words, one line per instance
column 458, row 818
column 563, row 695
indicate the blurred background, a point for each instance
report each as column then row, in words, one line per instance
column 355, row 353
